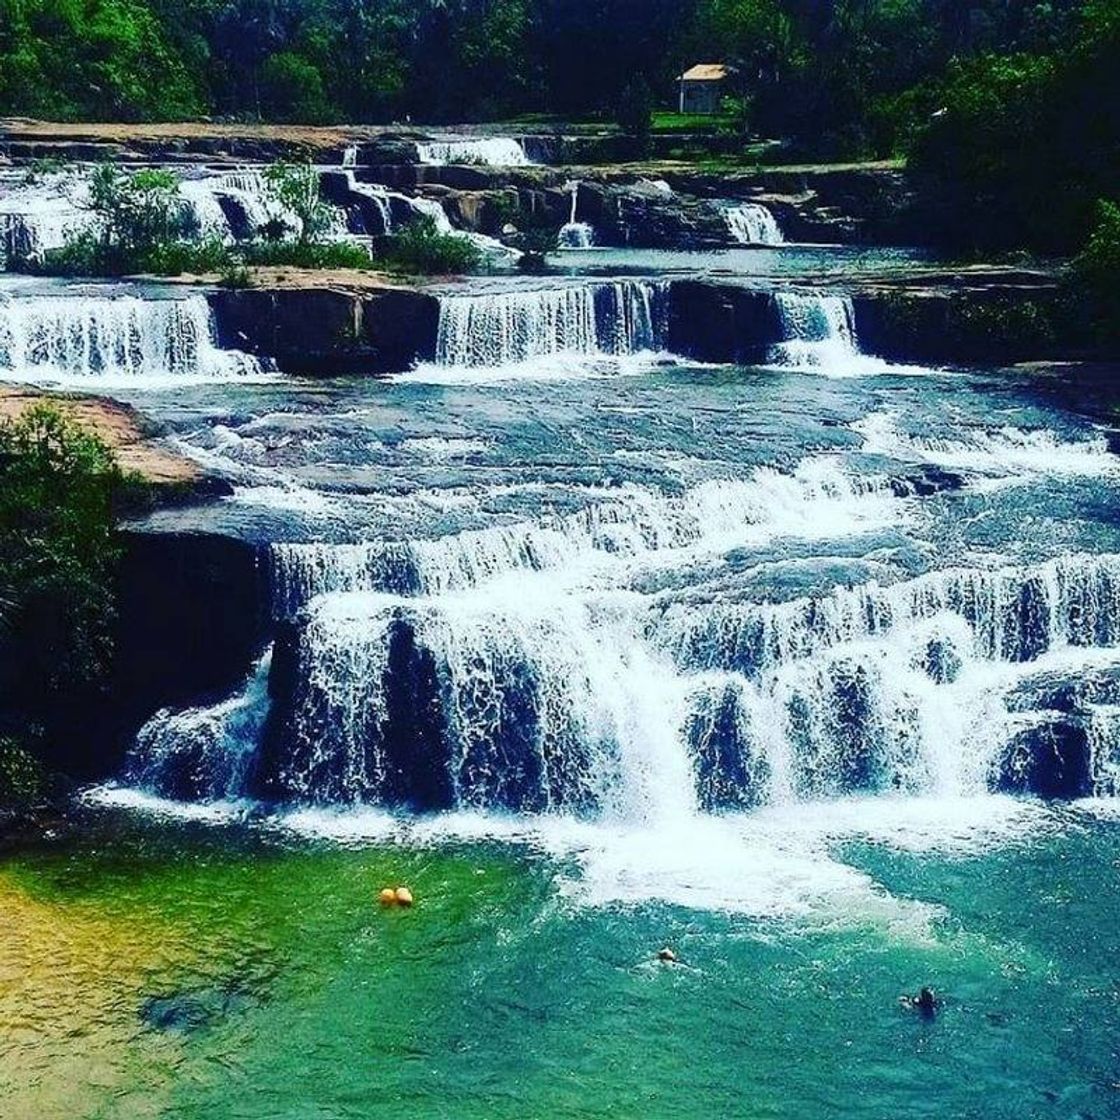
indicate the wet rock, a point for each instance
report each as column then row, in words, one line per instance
column 1051, row 760
column 722, row 322
column 192, row 614
column 730, row 773
column 322, row 331
column 941, row 661
column 924, row 481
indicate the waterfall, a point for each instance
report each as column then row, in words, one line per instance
column 751, row 223
column 505, row 327
column 350, row 156
column 494, row 151
column 524, row 697
column 628, row 524
column 575, row 234
column 108, row 338
column 820, row 336
column 203, row 754
column 40, row 216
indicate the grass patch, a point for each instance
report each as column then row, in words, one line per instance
column 666, row 123
column 305, row 254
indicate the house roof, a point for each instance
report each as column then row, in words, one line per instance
column 706, row 72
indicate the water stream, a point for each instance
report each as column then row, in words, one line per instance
column 810, row 669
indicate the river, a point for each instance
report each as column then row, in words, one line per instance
column 810, row 671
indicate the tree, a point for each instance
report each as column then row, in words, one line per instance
column 58, row 557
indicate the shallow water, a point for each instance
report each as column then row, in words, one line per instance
column 162, row 969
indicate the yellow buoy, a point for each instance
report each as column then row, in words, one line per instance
column 404, row 896
column 388, row 897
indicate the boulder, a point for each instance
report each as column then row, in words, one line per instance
column 325, row 331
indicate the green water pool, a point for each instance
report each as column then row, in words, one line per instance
column 162, row 969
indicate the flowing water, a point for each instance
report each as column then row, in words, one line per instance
column 490, row 151
column 811, row 671
column 100, row 337
column 751, row 223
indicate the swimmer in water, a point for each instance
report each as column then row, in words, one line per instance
column 925, row 1003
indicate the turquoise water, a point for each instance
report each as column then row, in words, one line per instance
column 283, row 990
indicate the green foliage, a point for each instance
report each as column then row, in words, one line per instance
column 236, row 276
column 292, row 89
column 421, row 248
column 142, row 224
column 22, row 779
column 178, row 258
column 58, row 557
column 1025, row 144
column 306, row 254
column 100, row 59
column 295, row 187
column 1097, row 272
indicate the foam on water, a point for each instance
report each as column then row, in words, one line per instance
column 820, row 337
column 114, row 340
column 1004, row 452
column 491, row 151
column 751, row 223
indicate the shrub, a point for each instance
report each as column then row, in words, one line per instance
column 1096, row 271
column 307, row 254
column 421, row 248
column 295, row 187
column 140, row 210
column 177, row 257
column 58, row 557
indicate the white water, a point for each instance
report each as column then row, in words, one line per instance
column 106, row 340
column 820, row 337
column 575, row 234
column 496, row 151
column 502, row 329
column 41, row 215
column 751, row 223
column 1003, row 454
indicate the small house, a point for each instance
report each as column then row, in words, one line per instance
column 702, row 87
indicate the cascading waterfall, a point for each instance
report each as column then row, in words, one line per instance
column 751, row 223
column 820, row 336
column 575, row 234
column 512, row 668
column 493, row 151
column 422, row 674
column 501, row 328
column 817, row 500
column 50, row 338
column 38, row 216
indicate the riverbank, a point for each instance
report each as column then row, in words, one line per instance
column 134, row 439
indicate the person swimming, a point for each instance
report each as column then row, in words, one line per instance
column 925, row 1003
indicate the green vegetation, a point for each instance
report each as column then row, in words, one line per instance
column 295, row 189
column 143, row 225
column 302, row 254
column 58, row 559
column 1097, row 273
column 1008, row 109
column 421, row 248
column 1024, row 145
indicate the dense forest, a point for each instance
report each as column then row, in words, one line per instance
column 1008, row 109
